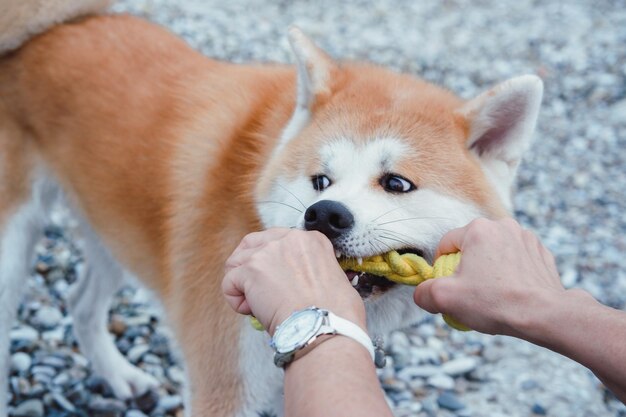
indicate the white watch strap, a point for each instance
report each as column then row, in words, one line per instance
column 347, row 328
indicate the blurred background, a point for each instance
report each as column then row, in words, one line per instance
column 570, row 191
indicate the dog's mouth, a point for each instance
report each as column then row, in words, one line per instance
column 368, row 284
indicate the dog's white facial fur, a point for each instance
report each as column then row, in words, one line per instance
column 383, row 220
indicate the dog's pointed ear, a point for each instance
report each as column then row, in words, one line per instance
column 501, row 122
column 315, row 69
column 316, row 77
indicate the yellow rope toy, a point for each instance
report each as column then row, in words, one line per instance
column 407, row 269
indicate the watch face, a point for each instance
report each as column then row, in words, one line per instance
column 296, row 330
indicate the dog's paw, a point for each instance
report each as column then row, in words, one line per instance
column 127, row 381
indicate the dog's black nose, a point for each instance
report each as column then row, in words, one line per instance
column 329, row 217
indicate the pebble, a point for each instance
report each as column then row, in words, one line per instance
column 425, row 355
column 421, row 371
column 54, row 336
column 54, row 361
column 394, row 385
column 78, row 395
column 417, row 386
column 159, row 344
column 529, row 384
column 539, row 409
column 138, row 320
column 63, row 402
column 435, row 343
column 61, row 380
column 441, row 381
column 19, row 386
column 48, row 317
column 466, row 412
column 136, row 352
column 156, row 371
column 29, row 408
column 24, row 333
column 44, row 370
column 20, row 362
column 151, row 359
column 79, row 360
column 147, row 401
column 170, row 402
column 176, row 375
column 106, row 407
column 426, row 330
column 98, row 385
column 37, row 389
column 399, row 341
column 449, row 401
column 117, row 325
column 430, row 406
column 459, row 366
column 134, row 413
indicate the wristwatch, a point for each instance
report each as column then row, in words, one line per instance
column 304, row 329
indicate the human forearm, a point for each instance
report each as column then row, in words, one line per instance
column 579, row 327
column 336, row 378
column 507, row 283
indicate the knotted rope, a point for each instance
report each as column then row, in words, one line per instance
column 407, row 269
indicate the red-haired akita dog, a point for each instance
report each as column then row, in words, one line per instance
column 169, row 158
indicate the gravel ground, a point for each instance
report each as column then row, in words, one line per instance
column 569, row 192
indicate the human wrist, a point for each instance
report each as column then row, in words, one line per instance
column 307, row 328
column 352, row 313
column 548, row 315
column 335, row 346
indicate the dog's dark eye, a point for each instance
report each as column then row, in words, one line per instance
column 396, row 184
column 320, row 182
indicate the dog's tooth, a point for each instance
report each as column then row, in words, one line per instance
column 359, row 260
column 355, row 281
column 337, row 253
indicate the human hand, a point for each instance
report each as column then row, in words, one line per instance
column 505, row 277
column 273, row 273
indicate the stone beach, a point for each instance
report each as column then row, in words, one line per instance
column 570, row 191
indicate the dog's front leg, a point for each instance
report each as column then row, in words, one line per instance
column 17, row 241
column 89, row 303
column 263, row 381
column 229, row 364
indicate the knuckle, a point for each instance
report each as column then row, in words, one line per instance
column 248, row 240
column 478, row 229
column 324, row 241
column 440, row 296
column 509, row 222
column 260, row 255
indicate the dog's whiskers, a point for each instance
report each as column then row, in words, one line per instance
column 413, row 218
column 395, row 239
column 291, row 192
column 396, row 234
column 389, row 248
column 280, row 202
column 387, row 212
